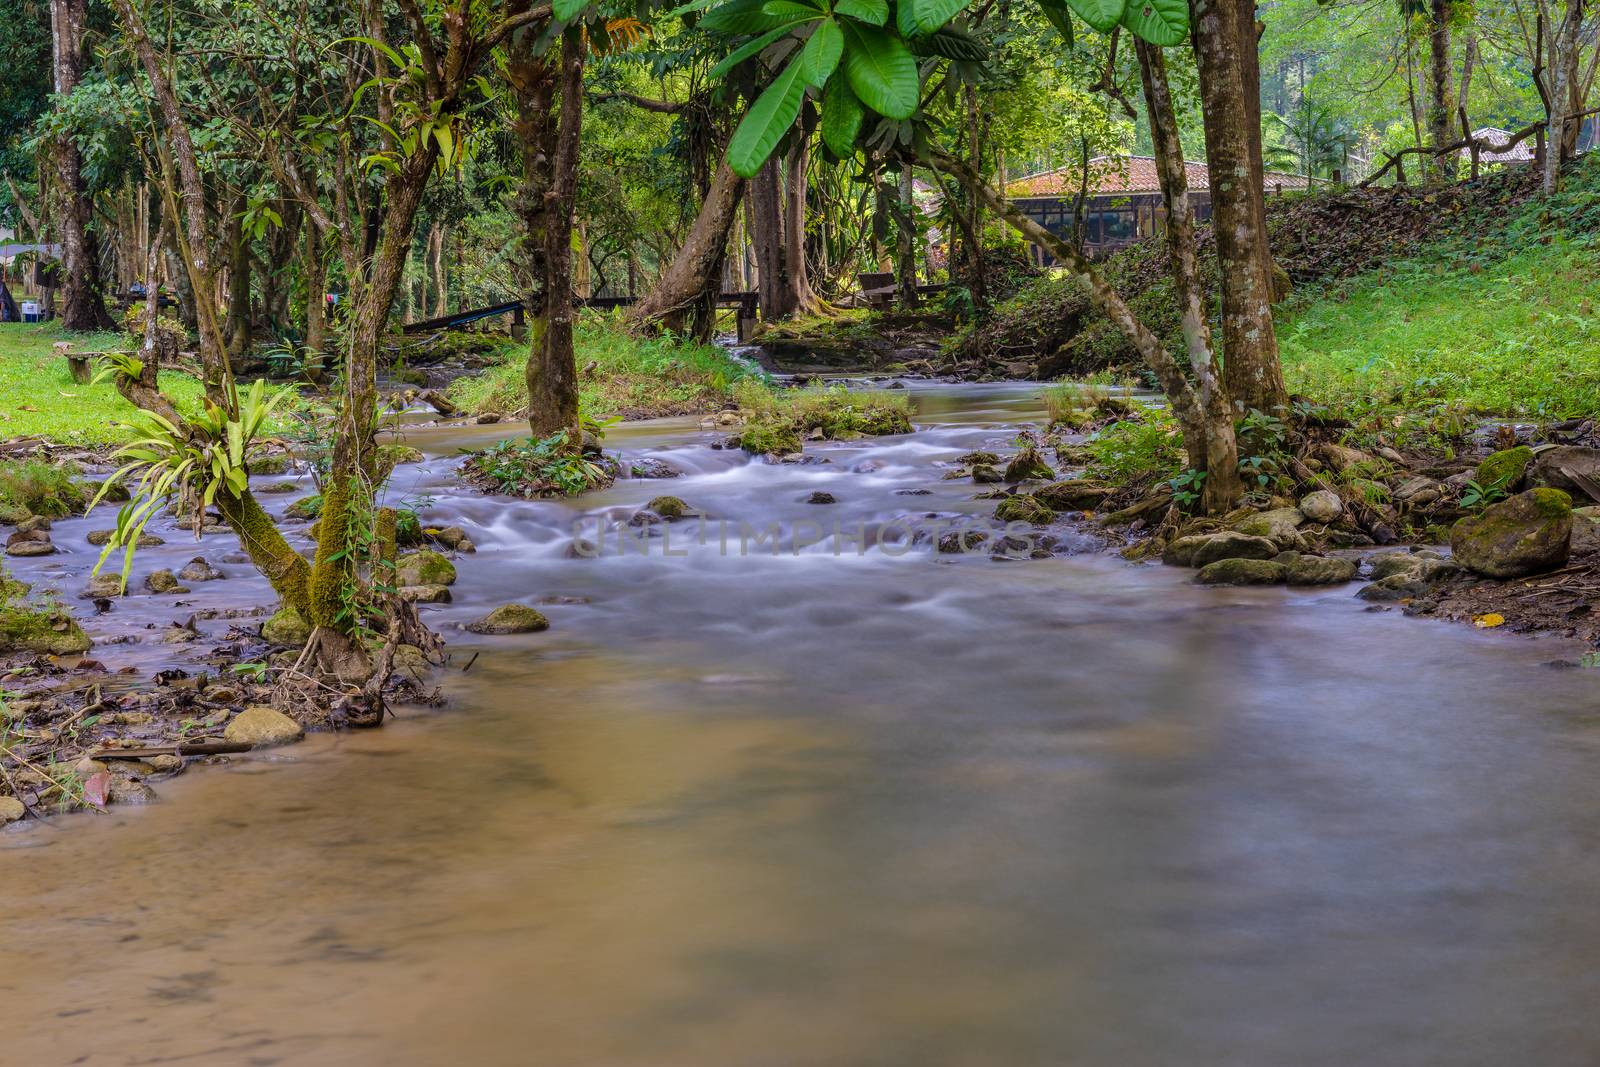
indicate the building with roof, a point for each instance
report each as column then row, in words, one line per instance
column 1123, row 201
column 1522, row 152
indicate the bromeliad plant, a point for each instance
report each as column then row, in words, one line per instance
column 199, row 464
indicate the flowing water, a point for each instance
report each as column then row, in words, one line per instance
column 834, row 806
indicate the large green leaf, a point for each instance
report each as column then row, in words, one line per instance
column 1101, row 14
column 1161, row 22
column 741, row 16
column 820, row 57
column 748, row 49
column 764, row 125
column 950, row 43
column 875, row 12
column 929, row 15
column 567, row 10
column 1059, row 16
column 790, row 11
column 881, row 70
column 841, row 117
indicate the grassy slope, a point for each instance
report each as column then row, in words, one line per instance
column 1480, row 293
column 39, row 398
column 1516, row 335
column 633, row 377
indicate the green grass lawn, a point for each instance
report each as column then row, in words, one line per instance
column 38, row 397
column 1518, row 335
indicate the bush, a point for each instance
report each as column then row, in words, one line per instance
column 42, row 487
column 1131, row 451
column 543, row 468
column 777, row 421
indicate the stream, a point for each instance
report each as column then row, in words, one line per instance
column 820, row 804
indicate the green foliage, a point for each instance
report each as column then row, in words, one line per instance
column 1475, row 497
column 1132, row 451
column 44, row 488
column 163, row 462
column 529, row 468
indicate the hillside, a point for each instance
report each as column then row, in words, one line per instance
column 1448, row 246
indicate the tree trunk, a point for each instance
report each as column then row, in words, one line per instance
column 802, row 299
column 315, row 269
column 906, row 236
column 766, row 232
column 533, row 82
column 236, row 330
column 441, row 277
column 1441, row 120
column 1249, row 345
column 1208, row 430
column 696, row 271
column 82, row 302
column 552, row 366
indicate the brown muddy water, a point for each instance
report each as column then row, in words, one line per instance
column 879, row 809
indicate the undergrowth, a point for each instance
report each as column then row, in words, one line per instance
column 631, row 376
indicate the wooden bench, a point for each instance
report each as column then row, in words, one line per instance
column 77, row 362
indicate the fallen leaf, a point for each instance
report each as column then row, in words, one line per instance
column 1489, row 621
column 95, row 788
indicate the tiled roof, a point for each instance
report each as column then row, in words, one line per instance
column 1109, row 175
column 1520, row 153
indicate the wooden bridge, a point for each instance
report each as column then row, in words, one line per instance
column 877, row 290
column 748, row 305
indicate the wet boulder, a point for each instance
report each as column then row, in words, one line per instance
column 1396, row 587
column 986, row 474
column 669, row 507
column 425, row 594
column 961, row 541
column 1504, row 470
column 1585, row 531
column 424, row 568
column 1418, row 492
column 163, row 581
column 1028, row 465
column 287, row 629
column 25, row 543
column 1322, row 506
column 103, row 585
column 1528, row 534
column 1320, row 570
column 1571, row 468
column 1200, row 550
column 1024, row 508
column 307, row 507
column 271, row 465
column 453, row 538
column 1242, row 572
column 820, row 497
column 973, row 459
column 1280, row 525
column 510, row 619
column 263, row 727
column 11, row 810
column 103, row 537
column 1073, row 494
column 199, row 569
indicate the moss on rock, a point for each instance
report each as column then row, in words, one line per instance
column 26, row 629
column 424, row 568
column 1242, row 572
column 287, row 628
column 1528, row 534
column 1504, row 469
column 1024, row 508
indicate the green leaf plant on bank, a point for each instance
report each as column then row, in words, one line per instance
column 198, row 465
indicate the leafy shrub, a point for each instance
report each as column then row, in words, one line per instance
column 1129, row 451
column 543, row 468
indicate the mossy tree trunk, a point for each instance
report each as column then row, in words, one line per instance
column 82, row 302
column 697, row 268
column 1209, row 434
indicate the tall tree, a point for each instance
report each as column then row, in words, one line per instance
column 82, row 302
column 1224, row 47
